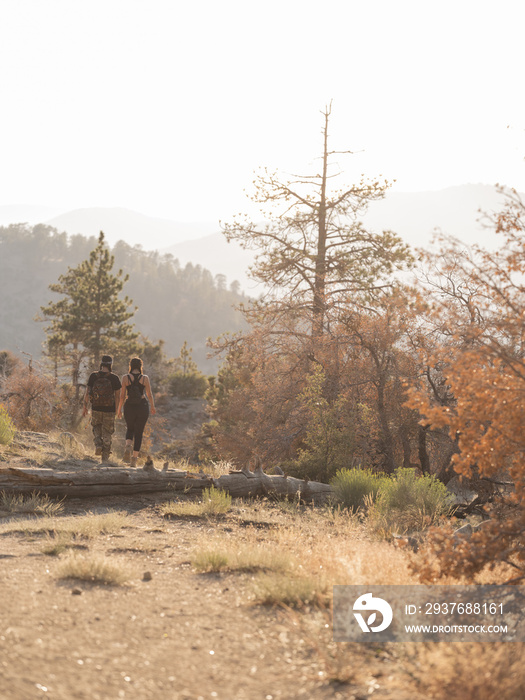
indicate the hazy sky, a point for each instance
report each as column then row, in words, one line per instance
column 168, row 107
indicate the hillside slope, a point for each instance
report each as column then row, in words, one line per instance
column 175, row 303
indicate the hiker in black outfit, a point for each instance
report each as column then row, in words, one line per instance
column 103, row 391
column 135, row 388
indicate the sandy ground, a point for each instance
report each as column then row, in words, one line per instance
column 173, row 633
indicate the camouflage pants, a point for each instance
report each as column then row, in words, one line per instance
column 103, row 428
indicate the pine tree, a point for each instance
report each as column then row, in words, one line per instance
column 315, row 253
column 187, row 381
column 91, row 319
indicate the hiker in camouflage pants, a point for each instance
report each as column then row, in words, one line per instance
column 103, row 428
column 102, row 392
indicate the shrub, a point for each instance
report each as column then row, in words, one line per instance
column 408, row 502
column 353, row 486
column 334, row 432
column 406, row 489
column 33, row 398
column 7, row 428
column 188, row 386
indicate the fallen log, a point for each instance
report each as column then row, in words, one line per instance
column 93, row 482
column 246, row 483
column 88, row 480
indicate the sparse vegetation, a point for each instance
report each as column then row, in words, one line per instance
column 214, row 502
column 57, row 544
column 353, row 486
column 7, row 428
column 209, row 561
column 84, row 526
column 93, row 568
column 480, row 672
column 291, row 591
column 408, row 503
column 247, row 557
column 94, row 524
column 34, row 503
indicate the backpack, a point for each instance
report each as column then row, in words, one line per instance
column 102, row 392
column 135, row 390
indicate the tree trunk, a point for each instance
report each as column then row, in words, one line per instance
column 90, row 481
column 386, row 434
column 424, row 460
column 320, row 258
column 405, row 442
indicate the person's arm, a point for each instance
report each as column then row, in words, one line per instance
column 121, row 396
column 147, row 386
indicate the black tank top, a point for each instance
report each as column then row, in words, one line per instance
column 135, row 390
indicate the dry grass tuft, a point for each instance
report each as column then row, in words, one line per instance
column 291, row 591
column 37, row 456
column 214, row 502
column 94, row 568
column 59, row 543
column 218, row 468
column 210, row 561
column 247, row 557
column 84, row 526
column 94, row 524
column 32, row 504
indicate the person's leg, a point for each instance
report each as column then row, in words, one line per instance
column 140, row 423
column 108, row 428
column 130, row 419
column 96, row 424
column 126, row 458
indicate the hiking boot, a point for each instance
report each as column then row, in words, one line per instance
column 133, row 461
column 149, row 466
column 127, row 454
column 98, row 451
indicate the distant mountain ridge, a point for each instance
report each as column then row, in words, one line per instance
column 412, row 215
column 455, row 211
column 130, row 226
column 415, row 217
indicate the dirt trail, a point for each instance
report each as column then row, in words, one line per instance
column 178, row 635
column 174, row 633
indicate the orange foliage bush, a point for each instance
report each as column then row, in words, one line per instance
column 481, row 313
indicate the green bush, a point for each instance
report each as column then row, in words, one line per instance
column 407, row 489
column 333, row 432
column 188, row 386
column 7, row 428
column 408, row 502
column 353, row 486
